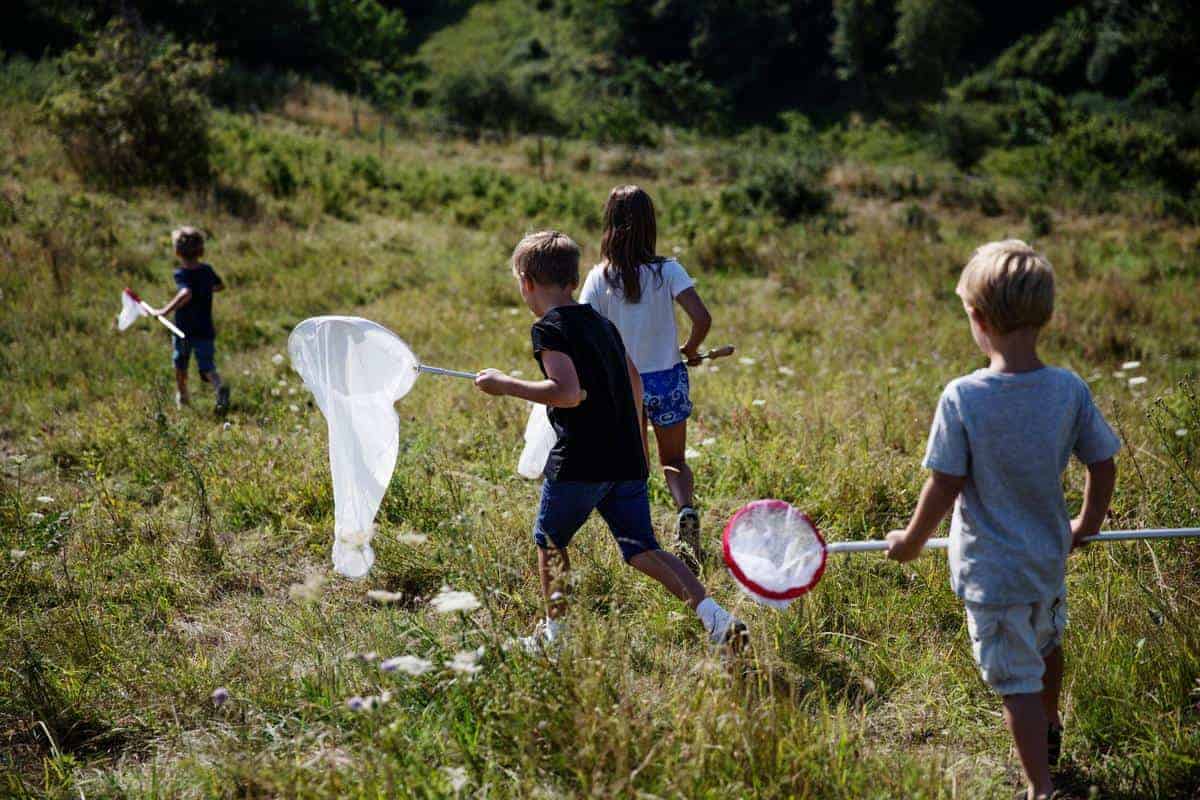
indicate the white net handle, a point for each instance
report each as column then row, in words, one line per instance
column 1106, row 536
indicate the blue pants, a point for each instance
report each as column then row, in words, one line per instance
column 624, row 505
column 205, row 350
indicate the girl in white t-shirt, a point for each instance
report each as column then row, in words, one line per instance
column 637, row 290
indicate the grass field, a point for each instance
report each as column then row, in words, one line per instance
column 149, row 556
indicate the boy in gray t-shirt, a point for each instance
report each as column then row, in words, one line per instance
column 997, row 450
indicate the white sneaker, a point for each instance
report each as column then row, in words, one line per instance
column 547, row 635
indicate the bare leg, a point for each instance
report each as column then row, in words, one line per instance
column 672, row 574
column 672, row 446
column 1052, row 686
column 554, row 567
column 1026, row 720
column 181, row 384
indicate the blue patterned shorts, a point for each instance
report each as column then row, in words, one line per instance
column 665, row 395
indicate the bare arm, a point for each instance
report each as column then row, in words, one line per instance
column 1097, row 495
column 635, row 381
column 180, row 299
column 937, row 498
column 560, row 388
column 693, row 306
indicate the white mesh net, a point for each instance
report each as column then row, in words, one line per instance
column 540, row 438
column 356, row 370
column 130, row 311
column 773, row 552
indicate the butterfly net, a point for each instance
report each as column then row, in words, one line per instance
column 540, row 438
column 356, row 370
column 130, row 311
column 774, row 552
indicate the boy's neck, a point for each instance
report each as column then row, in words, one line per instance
column 189, row 263
column 1015, row 351
column 546, row 298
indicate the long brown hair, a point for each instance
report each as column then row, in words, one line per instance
column 630, row 236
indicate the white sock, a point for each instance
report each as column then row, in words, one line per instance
column 714, row 618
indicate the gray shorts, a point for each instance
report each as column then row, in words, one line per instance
column 1010, row 643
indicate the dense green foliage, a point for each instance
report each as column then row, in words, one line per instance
column 133, row 109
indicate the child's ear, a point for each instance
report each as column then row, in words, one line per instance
column 978, row 318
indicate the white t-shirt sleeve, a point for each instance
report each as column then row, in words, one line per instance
column 676, row 278
column 592, row 292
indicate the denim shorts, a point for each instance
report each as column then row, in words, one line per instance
column 624, row 505
column 205, row 350
column 666, row 397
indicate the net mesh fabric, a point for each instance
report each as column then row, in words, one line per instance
column 540, row 439
column 131, row 310
column 356, row 370
column 774, row 552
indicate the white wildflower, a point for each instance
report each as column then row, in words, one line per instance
column 410, row 665
column 383, row 596
column 714, row 368
column 17, row 555
column 448, row 601
column 691, row 453
column 282, row 382
column 1118, row 374
column 512, row 311
column 292, row 390
column 293, row 408
column 466, row 662
column 277, row 359
column 893, row 370
column 412, row 538
column 787, row 371
column 45, row 499
column 245, row 372
column 227, row 426
column 747, row 361
column 708, row 441
column 36, row 516
column 457, row 777
column 310, row 590
column 1095, row 376
column 1138, row 381
column 1181, row 432
column 676, row 250
column 1131, row 365
column 275, row 393
column 758, row 402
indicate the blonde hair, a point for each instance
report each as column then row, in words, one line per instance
column 188, row 242
column 1010, row 284
column 547, row 258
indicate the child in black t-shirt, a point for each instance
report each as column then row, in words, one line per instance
column 196, row 283
column 594, row 396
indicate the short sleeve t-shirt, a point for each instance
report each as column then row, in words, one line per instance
column 194, row 318
column 647, row 326
column 598, row 440
column 1011, row 435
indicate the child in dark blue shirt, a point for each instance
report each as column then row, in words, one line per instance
column 192, row 305
column 594, row 394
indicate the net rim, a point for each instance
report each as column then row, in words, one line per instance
column 742, row 578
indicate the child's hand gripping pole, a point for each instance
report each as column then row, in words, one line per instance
column 719, row 352
column 1105, row 536
column 148, row 311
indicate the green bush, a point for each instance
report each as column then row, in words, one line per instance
column 789, row 185
column 131, row 109
column 481, row 101
column 964, row 132
column 1041, row 224
column 1103, row 153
